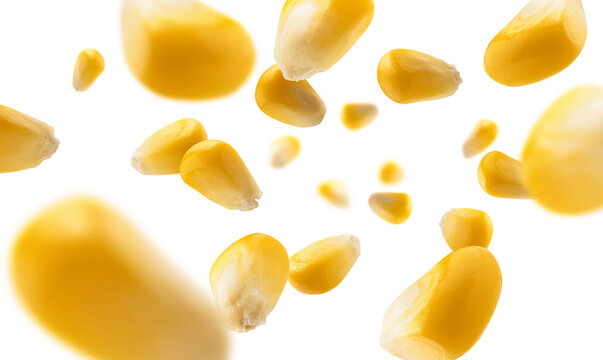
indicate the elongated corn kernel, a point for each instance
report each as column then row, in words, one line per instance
column 247, row 280
column 466, row 227
column 394, row 208
column 358, row 116
column 284, row 150
column 89, row 277
column 501, row 176
column 443, row 314
column 184, row 49
column 290, row 102
column 88, row 67
column 542, row 40
column 391, row 173
column 216, row 170
column 483, row 135
column 408, row 76
column 334, row 192
column 24, row 141
column 321, row 266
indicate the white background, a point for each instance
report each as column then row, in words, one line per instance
column 550, row 306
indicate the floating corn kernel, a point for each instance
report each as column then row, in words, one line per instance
column 284, row 150
column 88, row 67
column 334, row 192
column 216, row 170
column 408, row 76
column 163, row 151
column 482, row 136
column 247, row 280
column 184, row 49
column 24, row 141
column 394, row 208
column 321, row 266
column 500, row 176
column 314, row 34
column 290, row 102
column 541, row 41
column 90, row 278
column 358, row 116
column 444, row 314
column 466, row 227
column 391, row 173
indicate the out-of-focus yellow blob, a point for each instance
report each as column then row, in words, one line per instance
column 88, row 67
column 441, row 316
column 542, row 40
column 358, row 116
column 501, row 176
column 89, row 277
column 483, row 135
column 391, row 173
column 334, row 192
column 183, row 49
column 466, row 227
column 394, row 208
column 284, row 150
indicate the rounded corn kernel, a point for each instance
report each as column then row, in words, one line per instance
column 466, row 227
column 501, row 176
column 483, row 135
column 334, row 192
column 394, row 208
column 88, row 67
column 391, row 173
column 284, row 150
column 358, row 116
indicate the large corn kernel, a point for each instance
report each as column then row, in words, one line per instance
column 88, row 67
column 334, row 192
column 184, row 49
column 408, row 76
column 466, row 227
column 501, row 176
column 247, row 280
column 24, row 141
column 542, row 40
column 441, row 316
column 284, row 150
column 391, row 173
column 314, row 34
column 216, row 170
column 358, row 116
column 483, row 135
column 89, row 277
column 321, row 266
column 394, row 208
column 163, row 151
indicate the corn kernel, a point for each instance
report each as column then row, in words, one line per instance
column 391, row 173
column 321, row 266
column 482, row 136
column 446, row 311
column 247, row 280
column 335, row 193
column 394, row 208
column 408, row 76
column 500, row 176
column 541, row 41
column 358, row 116
column 24, row 141
column 314, row 34
column 89, row 277
column 466, row 227
column 184, row 49
column 284, row 150
column 88, row 67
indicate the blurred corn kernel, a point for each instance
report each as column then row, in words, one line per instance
column 391, row 173
column 466, row 227
column 483, row 135
column 284, row 150
column 394, row 208
column 335, row 192
column 358, row 115
column 501, row 176
column 88, row 67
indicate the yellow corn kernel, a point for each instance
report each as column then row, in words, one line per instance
column 216, row 170
column 290, row 102
column 321, row 266
column 394, row 208
column 466, row 227
column 89, row 277
column 247, row 280
column 314, row 34
column 444, row 314
column 483, row 135
column 501, row 176
column 334, row 192
column 408, row 76
column 184, row 49
column 88, row 67
column 542, row 40
column 284, row 150
column 563, row 156
column 391, row 173
column 358, row 116
column 24, row 141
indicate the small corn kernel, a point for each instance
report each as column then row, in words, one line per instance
column 500, row 176
column 391, row 173
column 284, row 150
column 184, row 49
column 358, row 116
column 466, row 227
column 321, row 266
column 216, row 170
column 163, row 151
column 446, row 311
column 482, row 136
column 24, row 141
column 335, row 193
column 247, row 280
column 394, row 208
column 541, row 41
column 90, row 278
column 408, row 76
column 88, row 67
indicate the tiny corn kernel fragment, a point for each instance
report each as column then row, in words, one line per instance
column 501, row 176
column 284, row 150
column 321, row 266
column 88, row 67
column 394, row 208
column 358, row 116
column 446, row 311
column 87, row 275
column 216, row 170
column 391, row 173
column 24, row 141
column 290, row 102
column 247, row 280
column 334, row 192
column 466, row 227
column 483, row 135
column 163, row 151
column 408, row 76
column 541, row 41
column 314, row 34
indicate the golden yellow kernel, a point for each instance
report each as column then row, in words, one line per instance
column 394, row 208
column 391, row 173
column 466, row 227
column 501, row 176
column 358, row 116
column 284, row 150
column 88, row 67
column 334, row 192
column 483, row 135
